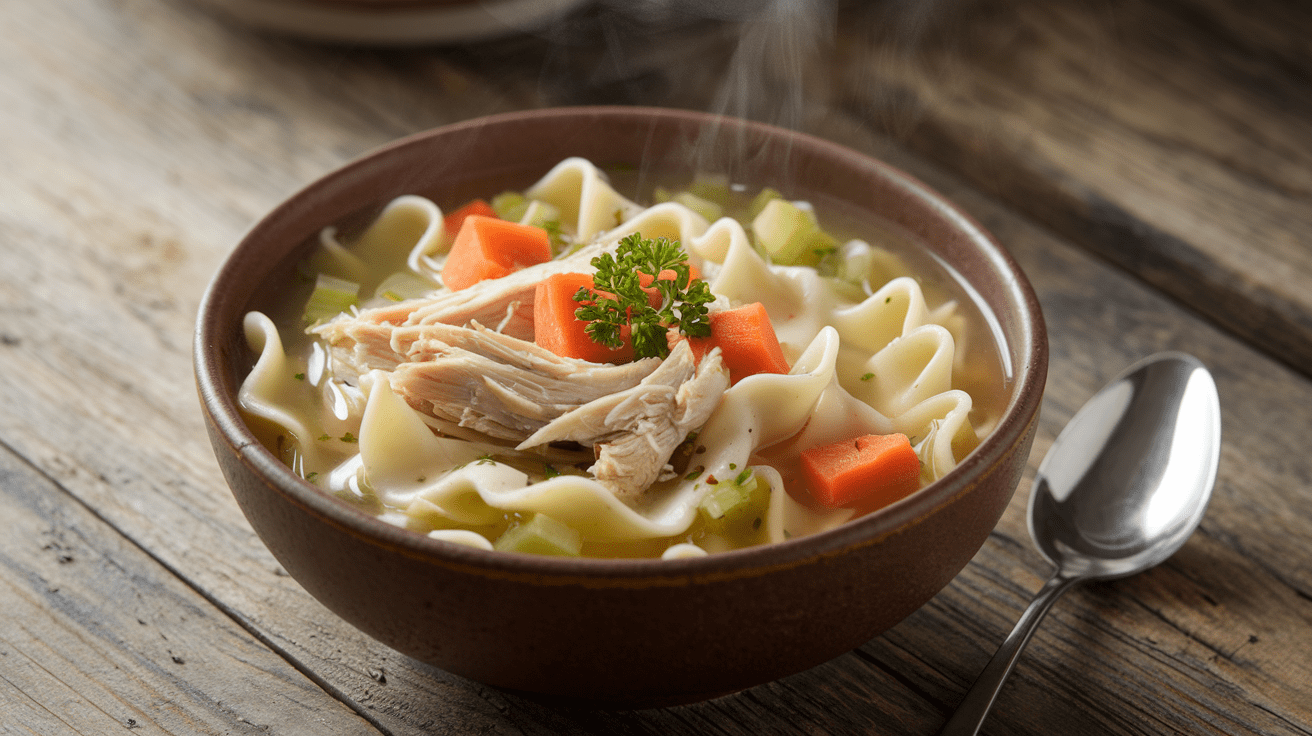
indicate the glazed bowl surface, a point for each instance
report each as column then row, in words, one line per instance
column 622, row 632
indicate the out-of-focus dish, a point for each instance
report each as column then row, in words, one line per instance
column 394, row 22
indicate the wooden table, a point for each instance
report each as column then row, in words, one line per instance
column 1149, row 164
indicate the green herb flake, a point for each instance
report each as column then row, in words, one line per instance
column 324, row 437
column 694, row 475
column 867, row 376
column 348, row 437
column 549, row 471
column 743, row 476
column 619, row 275
column 300, row 376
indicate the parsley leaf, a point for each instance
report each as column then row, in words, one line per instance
column 619, row 299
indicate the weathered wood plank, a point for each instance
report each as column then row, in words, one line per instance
column 97, row 636
column 146, row 138
column 1172, row 138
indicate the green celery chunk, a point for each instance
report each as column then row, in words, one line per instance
column 736, row 501
column 704, row 207
column 509, row 206
column 404, row 285
column 538, row 214
column 791, row 236
column 711, row 187
column 541, row 535
column 764, row 197
column 331, row 297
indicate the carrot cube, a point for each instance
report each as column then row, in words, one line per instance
column 489, row 248
column 557, row 329
column 871, row 471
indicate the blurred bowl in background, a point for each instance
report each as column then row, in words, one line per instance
column 395, row 22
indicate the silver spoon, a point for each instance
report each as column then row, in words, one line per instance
column 1121, row 489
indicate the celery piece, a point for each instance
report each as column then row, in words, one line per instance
column 711, row 187
column 538, row 214
column 730, row 500
column 764, row 197
column 541, row 535
column 846, row 290
column 704, row 207
column 404, row 285
column 331, row 296
column 508, row 206
column 791, row 236
column 857, row 262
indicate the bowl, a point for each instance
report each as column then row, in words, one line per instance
column 621, row 632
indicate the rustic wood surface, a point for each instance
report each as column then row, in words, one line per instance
column 1146, row 162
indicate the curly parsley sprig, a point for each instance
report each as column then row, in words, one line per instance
column 618, row 298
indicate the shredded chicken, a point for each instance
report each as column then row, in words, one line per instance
column 633, row 415
column 447, row 365
column 635, row 431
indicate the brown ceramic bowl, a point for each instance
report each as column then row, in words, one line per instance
column 620, row 632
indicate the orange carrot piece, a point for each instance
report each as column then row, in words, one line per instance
column 557, row 329
column 489, row 248
column 454, row 220
column 870, row 471
column 747, row 342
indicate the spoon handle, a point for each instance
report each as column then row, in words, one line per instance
column 975, row 706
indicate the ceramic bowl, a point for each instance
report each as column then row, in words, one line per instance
column 620, row 632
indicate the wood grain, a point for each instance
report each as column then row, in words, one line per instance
column 1172, row 138
column 96, row 636
column 143, row 138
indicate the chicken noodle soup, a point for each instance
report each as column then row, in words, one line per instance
column 447, row 409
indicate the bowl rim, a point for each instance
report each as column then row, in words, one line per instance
column 222, row 412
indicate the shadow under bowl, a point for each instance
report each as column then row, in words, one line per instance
column 620, row 633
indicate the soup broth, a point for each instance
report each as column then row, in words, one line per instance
column 311, row 401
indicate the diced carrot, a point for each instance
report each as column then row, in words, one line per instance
column 488, row 248
column 747, row 342
column 557, row 329
column 869, row 472
column 454, row 220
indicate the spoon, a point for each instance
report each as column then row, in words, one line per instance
column 1121, row 489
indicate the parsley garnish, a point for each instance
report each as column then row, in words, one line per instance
column 618, row 275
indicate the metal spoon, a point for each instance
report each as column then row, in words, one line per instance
column 1121, row 489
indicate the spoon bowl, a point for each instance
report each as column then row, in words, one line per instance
column 1121, row 489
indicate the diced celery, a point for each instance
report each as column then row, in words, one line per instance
column 538, row 214
column 704, row 207
column 541, row 535
column 331, row 296
column 404, row 285
column 847, row 290
column 711, row 187
column 791, row 236
column 857, row 262
column 764, row 197
column 735, row 499
column 508, row 206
